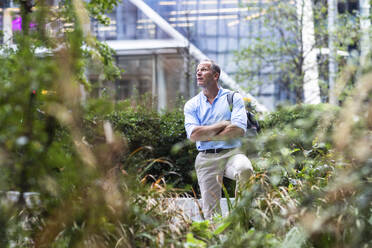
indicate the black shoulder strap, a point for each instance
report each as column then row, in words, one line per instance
column 230, row 99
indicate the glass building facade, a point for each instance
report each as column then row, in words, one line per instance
column 217, row 27
column 156, row 63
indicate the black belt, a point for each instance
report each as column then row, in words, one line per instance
column 218, row 150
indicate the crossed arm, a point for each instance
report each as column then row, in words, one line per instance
column 219, row 131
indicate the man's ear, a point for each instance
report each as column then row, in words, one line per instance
column 216, row 75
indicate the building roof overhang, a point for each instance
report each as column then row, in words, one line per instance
column 143, row 47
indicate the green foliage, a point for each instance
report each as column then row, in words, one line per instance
column 48, row 145
column 297, row 116
column 159, row 136
column 280, row 58
column 276, row 53
column 98, row 9
column 309, row 187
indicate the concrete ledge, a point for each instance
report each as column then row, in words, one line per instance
column 32, row 199
column 190, row 206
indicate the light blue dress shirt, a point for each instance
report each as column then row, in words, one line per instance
column 199, row 112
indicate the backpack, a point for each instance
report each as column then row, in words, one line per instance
column 253, row 127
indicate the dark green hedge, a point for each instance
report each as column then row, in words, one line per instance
column 157, row 136
column 300, row 122
column 292, row 114
column 152, row 135
column 162, row 136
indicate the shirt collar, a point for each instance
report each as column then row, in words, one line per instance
column 205, row 99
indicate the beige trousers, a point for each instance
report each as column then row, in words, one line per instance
column 210, row 169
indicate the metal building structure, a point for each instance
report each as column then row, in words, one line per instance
column 158, row 43
column 204, row 28
column 156, row 48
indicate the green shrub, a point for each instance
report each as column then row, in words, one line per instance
column 156, row 136
column 311, row 182
column 151, row 135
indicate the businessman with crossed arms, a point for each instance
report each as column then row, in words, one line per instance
column 216, row 130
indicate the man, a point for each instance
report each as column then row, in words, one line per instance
column 216, row 130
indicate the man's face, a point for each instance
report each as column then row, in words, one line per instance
column 205, row 76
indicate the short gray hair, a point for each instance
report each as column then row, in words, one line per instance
column 214, row 66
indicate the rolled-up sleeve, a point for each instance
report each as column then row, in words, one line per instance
column 239, row 115
column 191, row 120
